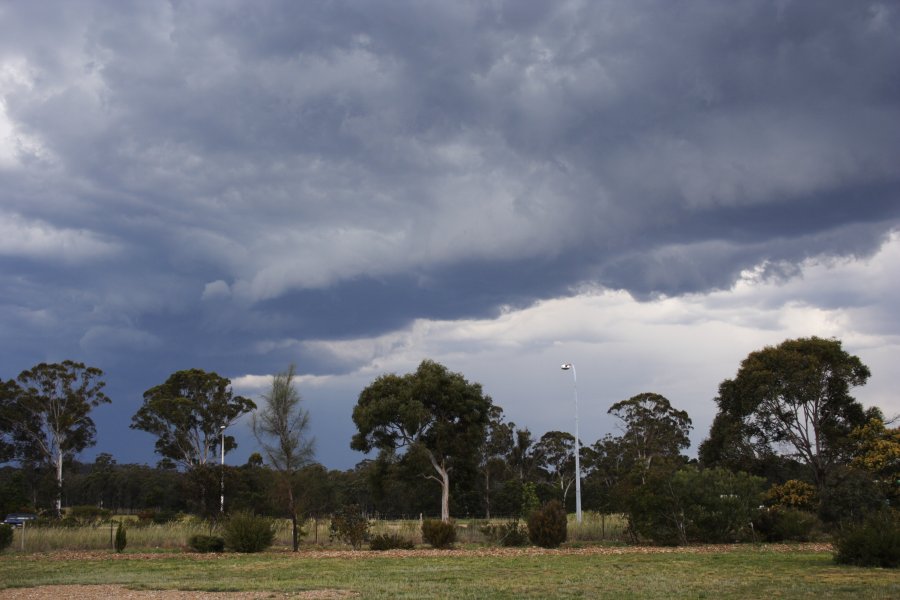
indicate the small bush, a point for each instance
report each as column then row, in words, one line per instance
column 786, row 525
column 206, row 543
column 438, row 533
column 547, row 526
column 79, row 516
column 390, row 541
column 873, row 543
column 245, row 532
column 6, row 537
column 511, row 534
column 350, row 526
column 121, row 538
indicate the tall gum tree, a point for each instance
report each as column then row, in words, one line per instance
column 187, row 414
column 49, row 417
column 432, row 410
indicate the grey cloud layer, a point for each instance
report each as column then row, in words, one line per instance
column 209, row 178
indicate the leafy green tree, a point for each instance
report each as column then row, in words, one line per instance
column 47, row 415
column 555, row 454
column 794, row 395
column 432, row 410
column 654, row 431
column 187, row 414
column 281, row 427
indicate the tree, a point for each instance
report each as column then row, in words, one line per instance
column 47, row 415
column 187, row 414
column 497, row 445
column 280, row 427
column 432, row 410
column 796, row 394
column 555, row 453
column 654, row 430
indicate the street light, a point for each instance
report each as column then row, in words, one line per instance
column 222, row 477
column 567, row 367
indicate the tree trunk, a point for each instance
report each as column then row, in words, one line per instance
column 59, row 465
column 445, row 495
column 487, row 493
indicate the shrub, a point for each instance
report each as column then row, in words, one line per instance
column 793, row 494
column 786, row 525
column 206, row 543
column 438, row 533
column 873, row 543
column 121, row 538
column 246, row 532
column 547, row 526
column 511, row 534
column 350, row 526
column 390, row 541
column 6, row 537
column 86, row 515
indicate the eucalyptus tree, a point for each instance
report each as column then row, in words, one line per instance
column 794, row 396
column 654, row 431
column 281, row 427
column 555, row 454
column 47, row 414
column 432, row 411
column 188, row 413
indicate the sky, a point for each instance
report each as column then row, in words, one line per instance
column 647, row 190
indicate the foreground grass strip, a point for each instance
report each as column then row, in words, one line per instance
column 706, row 572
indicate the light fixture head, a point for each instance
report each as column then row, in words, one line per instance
column 566, row 366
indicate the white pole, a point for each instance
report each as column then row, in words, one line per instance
column 566, row 367
column 222, row 476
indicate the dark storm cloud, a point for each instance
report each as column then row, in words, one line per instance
column 195, row 182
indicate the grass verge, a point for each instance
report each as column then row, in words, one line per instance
column 738, row 572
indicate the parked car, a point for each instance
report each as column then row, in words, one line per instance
column 19, row 519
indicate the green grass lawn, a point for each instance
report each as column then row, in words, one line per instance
column 744, row 572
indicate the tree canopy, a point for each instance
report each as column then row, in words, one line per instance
column 432, row 410
column 794, row 395
column 187, row 414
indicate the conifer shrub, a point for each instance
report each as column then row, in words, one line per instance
column 246, row 532
column 547, row 525
column 390, row 541
column 121, row 538
column 350, row 526
column 206, row 543
column 873, row 543
column 438, row 533
column 6, row 537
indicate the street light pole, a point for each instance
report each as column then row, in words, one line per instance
column 567, row 367
column 222, row 476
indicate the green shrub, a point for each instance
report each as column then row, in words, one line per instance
column 547, row 526
column 350, row 526
column 390, row 541
column 246, row 532
column 6, row 537
column 121, row 538
column 786, row 525
column 873, row 543
column 206, row 543
column 438, row 533
column 511, row 534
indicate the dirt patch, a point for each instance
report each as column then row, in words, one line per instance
column 108, row 592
